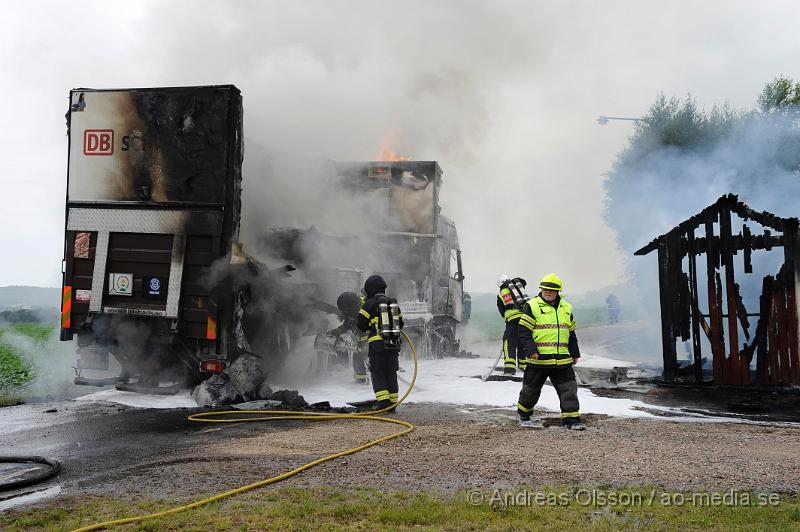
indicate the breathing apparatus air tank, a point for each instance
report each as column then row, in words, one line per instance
column 389, row 322
column 517, row 288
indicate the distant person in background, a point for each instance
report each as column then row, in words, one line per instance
column 613, row 308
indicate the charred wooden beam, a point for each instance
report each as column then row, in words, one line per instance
column 667, row 336
column 783, row 334
column 741, row 312
column 735, row 376
column 697, row 350
column 717, row 351
column 762, row 332
column 791, row 269
column 747, row 242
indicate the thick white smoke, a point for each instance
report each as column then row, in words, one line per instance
column 650, row 194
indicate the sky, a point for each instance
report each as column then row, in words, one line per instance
column 504, row 94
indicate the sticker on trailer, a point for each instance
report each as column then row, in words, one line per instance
column 120, row 284
column 84, row 296
column 154, row 285
column 82, row 241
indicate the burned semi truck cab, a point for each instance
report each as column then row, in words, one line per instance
column 416, row 247
column 153, row 201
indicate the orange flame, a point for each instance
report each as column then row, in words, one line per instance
column 386, row 152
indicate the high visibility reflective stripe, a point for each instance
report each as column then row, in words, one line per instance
column 527, row 321
column 364, row 313
column 520, row 407
column 570, row 414
column 551, row 344
column 393, row 397
column 547, row 356
column 375, row 338
column 381, row 395
column 551, row 326
column 551, row 361
column 374, row 321
column 66, row 307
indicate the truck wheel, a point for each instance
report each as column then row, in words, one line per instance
column 443, row 343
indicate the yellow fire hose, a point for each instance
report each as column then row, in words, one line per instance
column 230, row 416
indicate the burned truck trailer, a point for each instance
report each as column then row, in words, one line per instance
column 153, row 200
column 405, row 238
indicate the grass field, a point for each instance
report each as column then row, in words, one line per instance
column 367, row 509
column 15, row 372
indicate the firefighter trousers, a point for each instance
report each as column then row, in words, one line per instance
column 360, row 366
column 383, row 368
column 563, row 380
column 510, row 343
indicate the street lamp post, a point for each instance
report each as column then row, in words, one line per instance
column 603, row 120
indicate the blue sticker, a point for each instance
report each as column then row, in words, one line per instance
column 153, row 286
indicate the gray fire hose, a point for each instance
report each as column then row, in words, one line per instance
column 52, row 470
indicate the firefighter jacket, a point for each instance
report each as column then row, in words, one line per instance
column 506, row 305
column 547, row 333
column 369, row 321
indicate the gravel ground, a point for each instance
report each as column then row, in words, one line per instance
column 457, row 447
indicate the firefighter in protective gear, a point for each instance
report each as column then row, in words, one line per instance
column 511, row 312
column 384, row 358
column 349, row 303
column 547, row 338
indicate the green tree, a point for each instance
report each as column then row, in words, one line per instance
column 680, row 158
column 781, row 94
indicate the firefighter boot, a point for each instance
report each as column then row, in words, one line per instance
column 385, row 403
column 531, row 423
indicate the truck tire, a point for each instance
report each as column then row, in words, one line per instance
column 443, row 342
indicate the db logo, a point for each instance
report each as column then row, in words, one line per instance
column 98, row 142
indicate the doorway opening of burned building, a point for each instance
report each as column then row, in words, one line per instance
column 743, row 311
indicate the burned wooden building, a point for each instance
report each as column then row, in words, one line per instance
column 763, row 351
